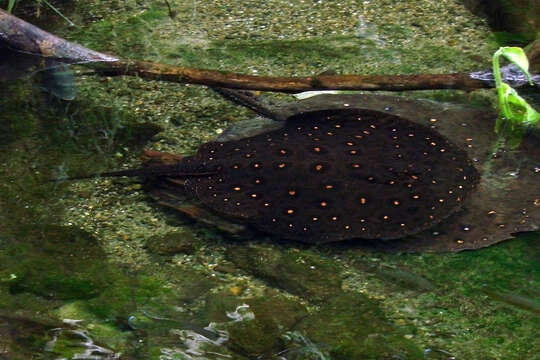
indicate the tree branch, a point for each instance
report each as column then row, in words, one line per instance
column 24, row 37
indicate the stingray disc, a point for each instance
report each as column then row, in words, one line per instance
column 335, row 175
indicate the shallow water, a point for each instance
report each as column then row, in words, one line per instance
column 95, row 270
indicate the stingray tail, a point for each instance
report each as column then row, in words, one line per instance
column 177, row 171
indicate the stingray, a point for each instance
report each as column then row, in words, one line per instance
column 325, row 176
column 506, row 200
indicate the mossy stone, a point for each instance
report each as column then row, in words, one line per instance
column 272, row 315
column 354, row 327
column 23, row 333
column 305, row 273
column 57, row 262
column 262, row 334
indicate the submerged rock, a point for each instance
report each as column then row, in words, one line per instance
column 58, row 262
column 301, row 273
column 354, row 327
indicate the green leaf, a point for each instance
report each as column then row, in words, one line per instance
column 517, row 56
column 11, row 4
column 516, row 109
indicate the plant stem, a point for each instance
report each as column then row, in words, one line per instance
column 498, row 81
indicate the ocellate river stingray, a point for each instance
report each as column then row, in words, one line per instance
column 401, row 175
column 506, row 200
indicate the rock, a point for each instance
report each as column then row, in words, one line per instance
column 354, row 327
column 58, row 262
column 254, row 325
column 303, row 273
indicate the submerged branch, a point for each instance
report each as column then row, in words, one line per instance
column 231, row 80
column 24, row 37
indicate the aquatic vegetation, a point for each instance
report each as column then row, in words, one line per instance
column 515, row 113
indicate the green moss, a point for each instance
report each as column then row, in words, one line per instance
column 345, row 54
column 457, row 314
column 354, row 327
column 57, row 262
column 127, row 37
column 17, row 118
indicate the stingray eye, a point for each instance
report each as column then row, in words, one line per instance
column 237, row 188
column 256, row 165
column 254, row 196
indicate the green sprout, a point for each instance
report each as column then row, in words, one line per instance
column 515, row 113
